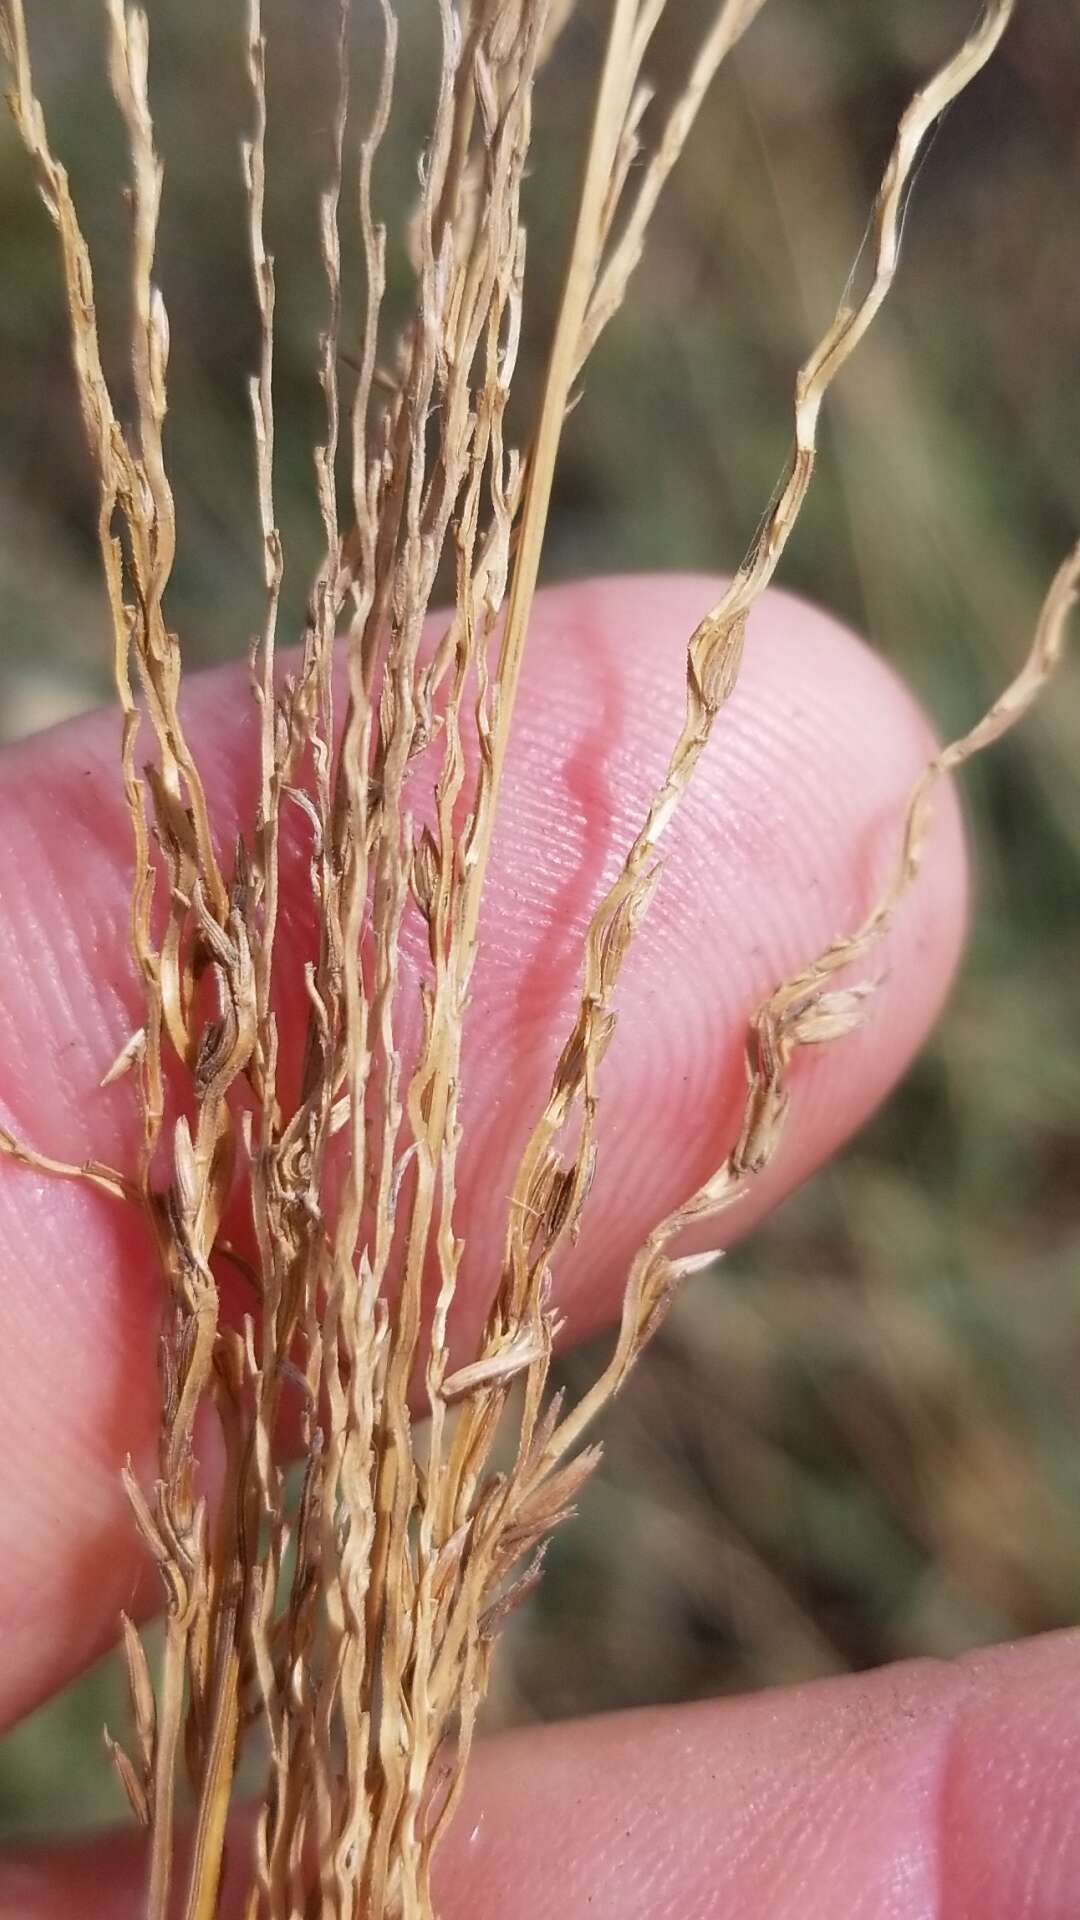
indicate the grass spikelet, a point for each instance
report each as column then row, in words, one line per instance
column 352, row 1622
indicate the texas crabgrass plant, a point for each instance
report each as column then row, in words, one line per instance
column 340, row 1622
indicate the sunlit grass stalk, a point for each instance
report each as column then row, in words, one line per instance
column 355, row 1625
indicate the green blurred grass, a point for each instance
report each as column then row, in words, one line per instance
column 859, row 1440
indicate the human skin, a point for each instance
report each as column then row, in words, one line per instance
column 926, row 1792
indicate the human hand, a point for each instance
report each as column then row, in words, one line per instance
column 923, row 1790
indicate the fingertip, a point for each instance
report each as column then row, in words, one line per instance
column 1009, row 1822
column 924, row 1789
column 783, row 839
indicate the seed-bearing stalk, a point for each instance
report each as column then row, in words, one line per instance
column 354, row 1622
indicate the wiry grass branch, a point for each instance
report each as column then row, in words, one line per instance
column 354, row 1625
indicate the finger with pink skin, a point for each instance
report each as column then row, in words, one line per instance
column 921, row 1792
column 782, row 843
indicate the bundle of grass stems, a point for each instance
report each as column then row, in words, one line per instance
column 335, row 1623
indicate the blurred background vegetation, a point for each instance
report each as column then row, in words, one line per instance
column 860, row 1440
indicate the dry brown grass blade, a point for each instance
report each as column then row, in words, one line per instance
column 94, row 1172
column 355, row 1622
column 732, row 20
column 808, row 1010
column 713, row 661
